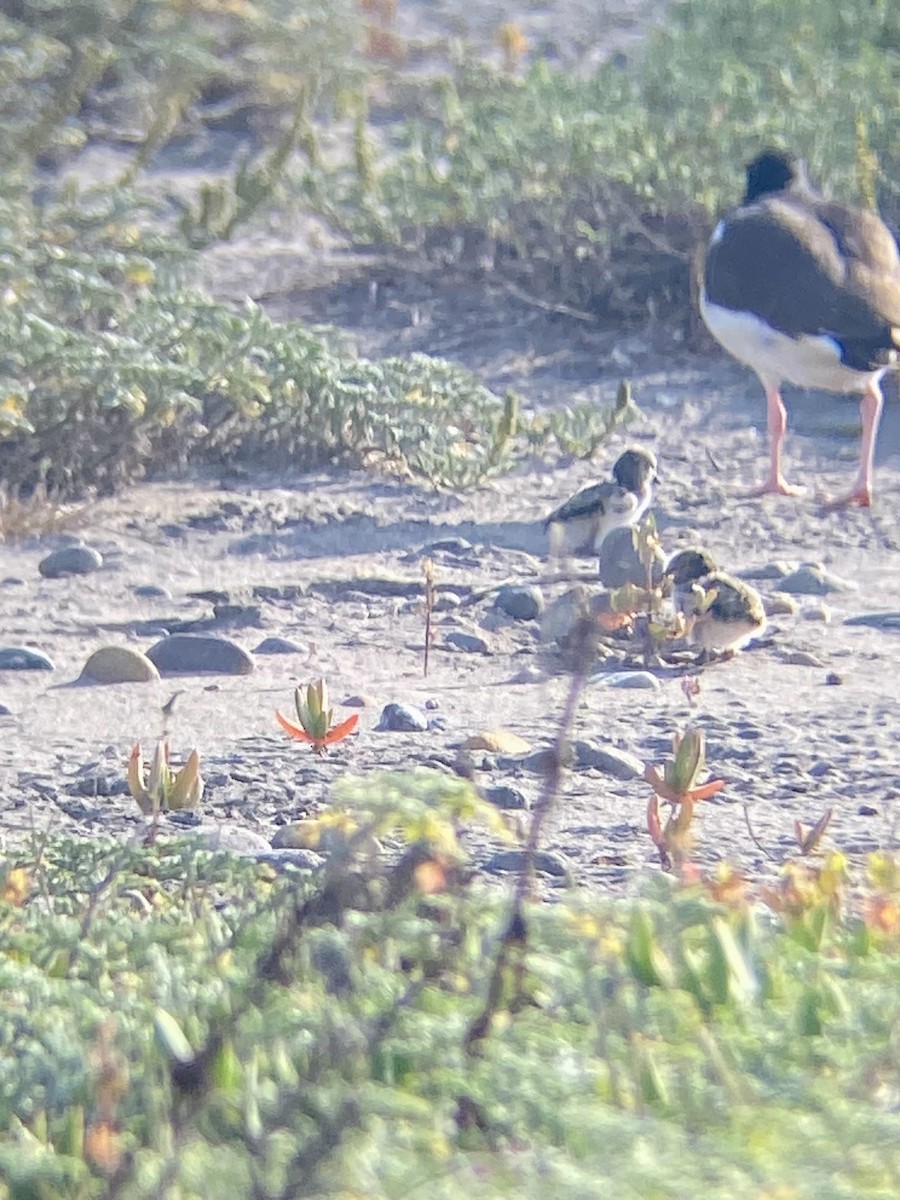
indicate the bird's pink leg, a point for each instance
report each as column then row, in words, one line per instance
column 861, row 492
column 777, row 423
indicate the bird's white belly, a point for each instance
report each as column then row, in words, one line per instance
column 812, row 361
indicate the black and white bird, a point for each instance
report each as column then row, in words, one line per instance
column 805, row 291
column 722, row 613
column 580, row 525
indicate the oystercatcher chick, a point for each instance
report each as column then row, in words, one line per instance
column 722, row 613
column 580, row 525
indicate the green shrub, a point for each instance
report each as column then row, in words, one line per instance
column 180, row 1023
column 112, row 365
column 597, row 190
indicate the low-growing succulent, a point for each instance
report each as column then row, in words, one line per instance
column 680, row 787
column 316, row 719
column 157, row 787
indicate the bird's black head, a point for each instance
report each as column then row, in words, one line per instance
column 773, row 171
column 687, row 566
column 634, row 469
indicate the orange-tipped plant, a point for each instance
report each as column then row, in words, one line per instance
column 316, row 719
column 157, row 788
column 679, row 786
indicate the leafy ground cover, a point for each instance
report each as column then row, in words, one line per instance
column 593, row 192
column 178, row 1024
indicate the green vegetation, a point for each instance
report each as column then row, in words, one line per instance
column 598, row 191
column 175, row 1024
column 593, row 193
column 179, row 1024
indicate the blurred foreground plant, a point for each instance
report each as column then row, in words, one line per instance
column 681, row 788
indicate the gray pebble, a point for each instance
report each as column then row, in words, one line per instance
column 529, row 674
column 101, row 785
column 447, row 545
column 402, row 718
column 231, row 838
column 279, row 645
column 881, row 620
column 523, row 603
column 618, row 562
column 507, row 796
column 447, row 602
column 627, row 679
column 193, row 653
column 773, row 570
column 546, row 862
column 469, row 643
column 238, row 615
column 563, row 613
column 617, row 763
column 21, row 658
column 802, row 658
column 70, row 560
column 813, row 580
column 304, row 860
column 152, row 591
column 833, row 679
column 538, row 762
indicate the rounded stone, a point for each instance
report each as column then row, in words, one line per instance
column 468, row 643
column 119, row 664
column 522, row 602
column 506, row 796
column 70, row 560
column 608, row 759
column 628, row 679
column 546, row 862
column 231, row 839
column 22, row 658
column 279, row 645
column 152, row 591
column 618, row 562
column 199, row 653
column 402, row 718
column 813, row 580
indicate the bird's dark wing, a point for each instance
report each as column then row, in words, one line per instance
column 812, row 268
column 598, row 500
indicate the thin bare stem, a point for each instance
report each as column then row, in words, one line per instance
column 515, row 936
column 428, row 572
column 756, row 842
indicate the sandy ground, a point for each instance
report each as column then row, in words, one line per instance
column 788, row 743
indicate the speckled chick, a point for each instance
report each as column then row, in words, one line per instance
column 580, row 525
column 723, row 612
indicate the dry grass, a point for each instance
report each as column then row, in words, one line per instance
column 38, row 513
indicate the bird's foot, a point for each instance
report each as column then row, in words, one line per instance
column 777, row 487
column 858, row 497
